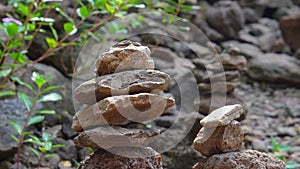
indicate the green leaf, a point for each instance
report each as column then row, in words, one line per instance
column 54, row 32
column 44, row 112
column 23, row 9
column 7, row 93
column 38, row 79
column 58, row 146
column 26, row 100
column 285, row 148
column 83, row 12
column 50, row 97
column 49, row 88
column 4, row 73
column 46, row 137
column 35, row 151
column 43, row 149
column 11, row 29
column 50, row 155
column 51, row 42
column 291, row 164
column 19, row 57
column 35, row 119
column 14, row 138
column 70, row 28
column 16, row 126
column 109, row 8
column 100, row 3
column 18, row 80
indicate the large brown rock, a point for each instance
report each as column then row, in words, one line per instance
column 114, row 136
column 226, row 17
column 210, row 141
column 125, row 55
column 102, row 159
column 127, row 82
column 290, row 28
column 248, row 159
column 121, row 110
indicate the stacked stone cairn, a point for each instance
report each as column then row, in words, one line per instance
column 220, row 140
column 124, row 96
column 219, row 76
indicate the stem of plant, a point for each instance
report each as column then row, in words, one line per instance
column 21, row 138
column 40, row 159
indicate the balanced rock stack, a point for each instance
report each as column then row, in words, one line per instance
column 123, row 97
column 219, row 76
column 220, row 140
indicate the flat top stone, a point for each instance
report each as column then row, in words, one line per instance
column 222, row 116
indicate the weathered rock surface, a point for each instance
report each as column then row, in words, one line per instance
column 226, row 17
column 233, row 61
column 210, row 141
column 224, row 76
column 275, row 68
column 121, row 110
column 222, row 116
column 125, row 55
column 221, row 87
column 290, row 28
column 248, row 159
column 127, row 82
column 102, row 159
column 114, row 136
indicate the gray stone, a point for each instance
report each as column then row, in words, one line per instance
column 226, row 17
column 248, row 159
column 121, row 110
column 246, row 49
column 275, row 68
column 222, row 116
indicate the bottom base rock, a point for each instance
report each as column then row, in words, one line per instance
column 248, row 159
column 123, row 158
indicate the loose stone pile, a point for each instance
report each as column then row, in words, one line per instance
column 119, row 104
column 220, row 140
column 219, row 77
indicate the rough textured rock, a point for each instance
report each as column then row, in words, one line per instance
column 10, row 110
column 102, row 159
column 114, row 136
column 275, row 68
column 221, row 87
column 125, row 55
column 233, row 61
column 229, row 17
column 222, row 116
column 290, row 28
column 127, row 82
column 210, row 141
column 121, row 110
column 224, row 76
column 248, row 159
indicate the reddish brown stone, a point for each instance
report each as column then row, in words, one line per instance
column 248, row 159
column 122, row 83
